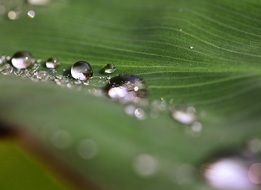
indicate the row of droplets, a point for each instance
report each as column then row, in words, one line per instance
column 130, row 90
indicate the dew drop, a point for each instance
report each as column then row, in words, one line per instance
column 31, row 14
column 87, row 149
column 22, row 60
column 52, row 63
column 81, row 70
column 108, row 69
column 42, row 75
column 191, row 47
column 186, row 115
column 145, row 165
column 126, row 88
column 140, row 114
column 234, row 172
column 12, row 15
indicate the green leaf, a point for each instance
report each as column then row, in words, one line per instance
column 195, row 52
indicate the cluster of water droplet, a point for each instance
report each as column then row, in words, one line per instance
column 14, row 10
column 129, row 90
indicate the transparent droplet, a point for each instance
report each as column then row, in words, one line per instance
column 126, row 88
column 6, row 69
column 145, row 165
column 61, row 139
column 108, row 69
column 234, row 172
column 185, row 115
column 87, row 149
column 52, row 63
column 81, row 70
column 42, row 75
column 22, row 60
column 191, row 47
column 31, row 14
column 140, row 114
column 13, row 15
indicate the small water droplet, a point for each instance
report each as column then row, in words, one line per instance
column 126, row 88
column 191, row 47
column 81, row 70
column 108, row 69
column 52, row 63
column 140, row 114
column 42, row 75
column 13, row 15
column 145, row 165
column 61, row 139
column 22, row 60
column 87, row 149
column 185, row 115
column 31, row 14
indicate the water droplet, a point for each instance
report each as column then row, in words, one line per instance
column 126, row 88
column 186, row 115
column 81, row 70
column 87, row 149
column 42, row 75
column 6, row 69
column 145, row 165
column 61, row 139
column 234, row 172
column 191, row 47
column 52, row 63
column 13, row 15
column 195, row 129
column 22, row 60
column 140, row 114
column 31, row 14
column 108, row 69
column 130, row 109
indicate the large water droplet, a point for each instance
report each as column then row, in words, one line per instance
column 126, row 88
column 31, row 14
column 234, row 172
column 81, row 70
column 108, row 69
column 52, row 63
column 22, row 60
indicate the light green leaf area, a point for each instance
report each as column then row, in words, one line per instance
column 196, row 52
